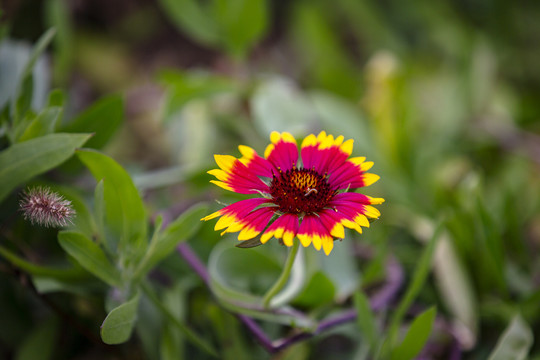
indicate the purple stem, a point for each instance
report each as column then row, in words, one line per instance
column 380, row 300
column 193, row 260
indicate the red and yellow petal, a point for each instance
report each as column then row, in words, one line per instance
column 284, row 227
column 282, row 153
column 356, row 207
column 233, row 175
column 253, row 224
column 235, row 212
column 254, row 163
column 325, row 153
column 312, row 231
column 352, row 174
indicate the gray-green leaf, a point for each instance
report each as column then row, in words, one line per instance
column 118, row 325
column 515, row 342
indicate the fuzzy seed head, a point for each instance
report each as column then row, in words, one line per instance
column 44, row 207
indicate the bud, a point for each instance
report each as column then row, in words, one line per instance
column 44, row 207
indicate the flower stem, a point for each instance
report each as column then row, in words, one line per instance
column 284, row 277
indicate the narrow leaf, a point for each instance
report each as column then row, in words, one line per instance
column 25, row 88
column 249, row 243
column 179, row 230
column 21, row 162
column 118, row 325
column 43, row 124
column 366, row 319
column 40, row 270
column 89, row 255
column 418, row 279
column 416, row 337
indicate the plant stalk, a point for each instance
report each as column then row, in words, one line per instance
column 284, row 277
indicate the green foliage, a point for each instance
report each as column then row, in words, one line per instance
column 102, row 119
column 21, row 162
column 125, row 217
column 365, row 319
column 232, row 25
column 118, row 324
column 442, row 101
column 44, row 123
column 416, row 336
column 164, row 243
column 24, row 91
column 90, row 256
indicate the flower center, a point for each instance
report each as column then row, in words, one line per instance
column 300, row 190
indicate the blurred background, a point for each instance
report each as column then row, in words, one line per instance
column 443, row 96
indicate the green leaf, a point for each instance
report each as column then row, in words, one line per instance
column 366, row 319
column 69, row 274
column 515, row 342
column 58, row 15
column 493, row 243
column 24, row 91
column 321, row 48
column 90, row 256
column 416, row 337
column 43, row 124
column 193, row 19
column 242, row 23
column 417, row 282
column 57, row 97
column 83, row 220
column 103, row 119
column 178, row 231
column 246, row 244
column 21, row 162
column 99, row 213
column 124, row 210
column 119, row 323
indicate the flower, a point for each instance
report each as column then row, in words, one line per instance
column 308, row 198
column 44, row 207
